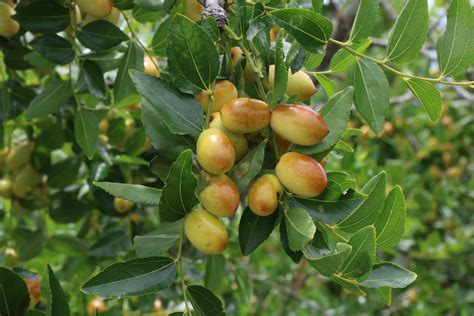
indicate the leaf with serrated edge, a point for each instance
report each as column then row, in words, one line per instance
column 204, row 301
column 364, row 20
column 253, row 230
column 389, row 274
column 428, row 95
column 330, row 263
column 390, row 223
column 133, row 192
column 328, row 85
column 300, row 228
column 343, row 59
column 362, row 256
column 86, row 130
column 50, row 100
column 58, row 304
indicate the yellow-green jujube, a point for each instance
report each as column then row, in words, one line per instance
column 298, row 124
column 224, row 92
column 3, row 156
column 123, row 205
column 193, row 9
column 245, row 115
column 263, row 195
column 25, row 180
column 96, row 8
column 299, row 84
column 8, row 26
column 5, row 188
column 205, row 232
column 113, row 17
column 150, row 66
column 220, row 197
column 19, row 156
column 215, row 152
column 301, row 174
column 239, row 141
column 236, row 54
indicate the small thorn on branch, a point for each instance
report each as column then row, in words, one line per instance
column 216, row 9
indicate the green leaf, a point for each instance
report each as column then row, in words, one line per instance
column 343, row 59
column 111, row 244
column 428, row 95
column 180, row 112
column 327, row 262
column 194, row 54
column 389, row 274
column 336, row 114
column 371, row 93
column 300, row 228
column 310, row 29
column 124, row 89
column 362, row 256
column 249, row 167
column 43, row 17
column 294, row 255
column 215, row 272
column 134, row 277
column 159, row 241
column 57, row 301
column 54, row 48
column 455, row 47
column 14, row 297
column 63, row 173
column 101, row 35
column 86, row 130
column 68, row 245
column 367, row 213
column 53, row 97
column 349, row 284
column 328, row 85
column 94, row 79
column 390, row 223
column 386, row 294
column 159, row 43
column 409, row 32
column 133, row 192
column 204, row 302
column 364, row 20
column 178, row 196
column 253, row 230
column 280, row 75
column 313, row 60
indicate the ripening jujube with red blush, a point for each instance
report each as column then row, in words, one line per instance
column 299, row 84
column 224, row 92
column 245, row 115
column 96, row 8
column 215, row 152
column 238, row 140
column 221, row 196
column 298, row 124
column 263, row 195
column 205, row 232
column 301, row 174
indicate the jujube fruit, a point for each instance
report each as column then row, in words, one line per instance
column 123, row 205
column 5, row 188
column 239, row 141
column 193, row 9
column 149, row 65
column 8, row 26
column 245, row 115
column 298, row 124
column 96, row 8
column 299, row 84
column 301, row 174
column 235, row 55
column 215, row 152
column 205, row 232
column 19, row 156
column 221, row 196
column 26, row 179
column 224, row 92
column 263, row 195
column 113, row 17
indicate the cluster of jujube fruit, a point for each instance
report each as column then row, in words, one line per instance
column 234, row 122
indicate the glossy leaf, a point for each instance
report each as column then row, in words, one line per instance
column 133, row 192
column 428, row 95
column 180, row 112
column 158, row 241
column 94, row 78
column 204, row 301
column 58, row 302
column 133, row 277
column 253, row 230
column 124, row 89
column 360, row 260
column 343, row 59
column 101, row 35
column 328, row 85
column 14, row 297
column 294, row 255
column 51, row 99
column 54, row 48
column 371, row 93
column 310, row 29
column 86, row 130
column 248, row 168
column 328, row 262
column 389, row 274
column 300, row 228
column 409, row 32
column 364, row 20
column 336, row 115
column 390, row 223
column 111, row 244
column 194, row 55
column 178, row 196
column 455, row 47
column 367, row 213
column 43, row 17
column 349, row 284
